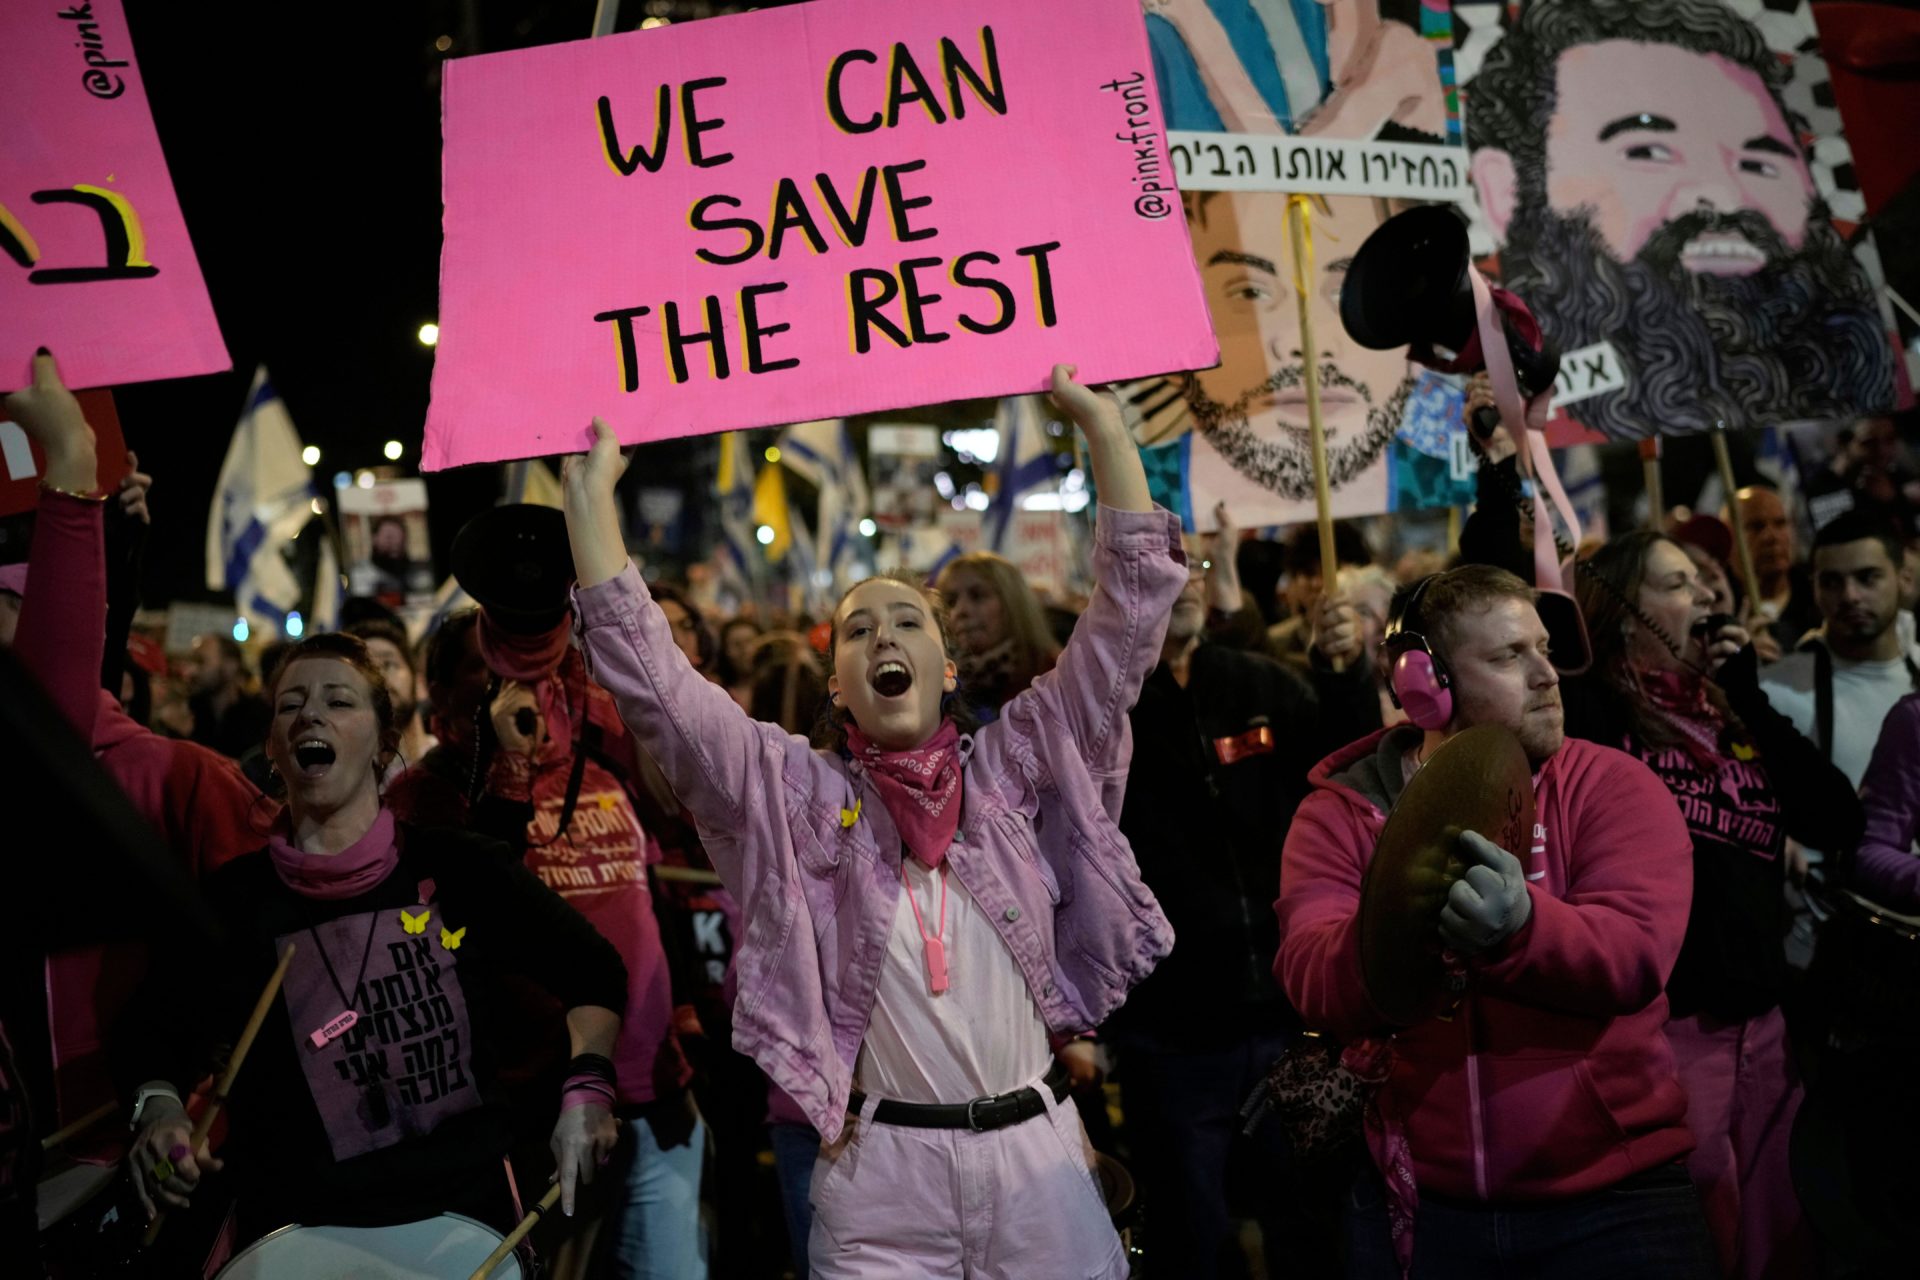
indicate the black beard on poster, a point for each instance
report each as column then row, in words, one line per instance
column 891, row 306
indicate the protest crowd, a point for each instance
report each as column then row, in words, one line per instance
column 1041, row 828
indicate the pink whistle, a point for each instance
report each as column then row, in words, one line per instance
column 339, row 1026
column 936, row 965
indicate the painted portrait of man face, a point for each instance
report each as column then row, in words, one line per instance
column 1252, row 407
column 1648, row 189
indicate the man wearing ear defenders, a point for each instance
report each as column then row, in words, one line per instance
column 1537, row 1127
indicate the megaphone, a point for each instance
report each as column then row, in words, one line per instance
column 1408, row 287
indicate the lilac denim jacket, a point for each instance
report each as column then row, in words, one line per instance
column 802, row 838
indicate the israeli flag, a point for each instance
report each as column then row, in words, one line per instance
column 822, row 453
column 1026, row 467
column 263, row 500
column 740, row 556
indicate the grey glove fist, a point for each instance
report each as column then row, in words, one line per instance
column 1490, row 903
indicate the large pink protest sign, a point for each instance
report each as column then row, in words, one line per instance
column 95, row 263
column 807, row 212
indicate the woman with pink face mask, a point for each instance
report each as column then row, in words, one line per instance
column 928, row 909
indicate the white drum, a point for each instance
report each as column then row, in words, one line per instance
column 448, row 1247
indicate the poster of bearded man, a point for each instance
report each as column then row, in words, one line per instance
column 1662, row 177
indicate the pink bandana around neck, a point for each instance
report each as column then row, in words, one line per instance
column 920, row 787
column 346, row 874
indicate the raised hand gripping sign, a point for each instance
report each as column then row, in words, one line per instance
column 807, row 212
column 95, row 263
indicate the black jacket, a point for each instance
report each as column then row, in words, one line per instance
column 1207, row 834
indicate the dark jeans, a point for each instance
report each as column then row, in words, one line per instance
column 1183, row 1132
column 1648, row 1227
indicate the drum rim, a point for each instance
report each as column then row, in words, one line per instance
column 305, row 1226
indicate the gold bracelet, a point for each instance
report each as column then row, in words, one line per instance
column 75, row 494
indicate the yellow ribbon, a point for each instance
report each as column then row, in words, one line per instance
column 1303, row 264
column 850, row 816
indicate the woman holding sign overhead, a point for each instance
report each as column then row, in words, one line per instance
column 927, row 907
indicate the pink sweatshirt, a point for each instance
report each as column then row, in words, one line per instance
column 1554, row 1077
column 199, row 801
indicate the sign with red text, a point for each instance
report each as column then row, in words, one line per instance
column 808, row 212
column 95, row 263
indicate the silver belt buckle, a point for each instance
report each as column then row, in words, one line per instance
column 973, row 1123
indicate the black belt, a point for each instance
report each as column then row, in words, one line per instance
column 996, row 1111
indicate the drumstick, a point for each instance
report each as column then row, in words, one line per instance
column 518, row 1234
column 1310, row 370
column 225, row 1085
column 85, row 1122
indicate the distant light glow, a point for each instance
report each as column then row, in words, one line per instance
column 764, row 535
column 868, row 528
column 393, row 450
column 444, row 43
column 1071, row 500
column 296, row 625
column 982, row 444
column 341, row 479
column 311, row 455
column 977, row 500
column 364, row 479
column 240, row 631
column 648, row 24
column 317, row 507
column 773, row 453
column 429, row 334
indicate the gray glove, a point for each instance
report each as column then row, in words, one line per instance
column 1490, row 903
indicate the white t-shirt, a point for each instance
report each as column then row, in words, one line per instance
column 1863, row 693
column 983, row 1035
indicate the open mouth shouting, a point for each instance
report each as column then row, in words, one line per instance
column 313, row 756
column 891, row 679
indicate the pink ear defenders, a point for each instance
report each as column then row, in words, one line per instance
column 1416, row 681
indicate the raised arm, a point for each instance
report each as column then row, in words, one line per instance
column 62, row 632
column 1139, row 569
column 716, row 759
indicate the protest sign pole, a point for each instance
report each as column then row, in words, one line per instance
column 1299, row 218
column 1725, row 463
column 1650, row 473
column 606, row 16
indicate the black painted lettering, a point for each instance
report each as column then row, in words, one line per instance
column 1000, row 291
column 753, row 331
column 835, row 108
column 866, row 312
column 714, row 337
column 699, row 218
column 693, row 126
column 898, row 203
column 625, row 163
column 1042, row 278
column 990, row 91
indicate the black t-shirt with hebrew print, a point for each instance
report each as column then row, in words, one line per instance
column 396, row 1117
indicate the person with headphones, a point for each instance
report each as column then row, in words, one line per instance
column 1677, row 686
column 1537, row 1127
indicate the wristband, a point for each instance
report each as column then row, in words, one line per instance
column 590, row 1079
column 75, row 494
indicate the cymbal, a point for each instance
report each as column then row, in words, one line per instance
column 1479, row 780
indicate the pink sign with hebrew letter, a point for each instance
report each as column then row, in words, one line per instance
column 95, row 263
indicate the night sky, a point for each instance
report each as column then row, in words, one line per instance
column 304, row 142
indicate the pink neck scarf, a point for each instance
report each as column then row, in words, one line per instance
column 524, row 658
column 346, row 874
column 920, row 787
column 1680, row 699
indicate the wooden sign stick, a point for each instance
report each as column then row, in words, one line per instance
column 1298, row 214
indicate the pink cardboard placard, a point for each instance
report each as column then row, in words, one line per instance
column 95, row 263
column 1000, row 163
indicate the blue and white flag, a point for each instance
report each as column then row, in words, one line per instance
column 740, row 559
column 822, row 454
column 1026, row 466
column 263, row 500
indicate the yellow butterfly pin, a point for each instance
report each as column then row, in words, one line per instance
column 451, row 938
column 1741, row 751
column 412, row 923
column 850, row 816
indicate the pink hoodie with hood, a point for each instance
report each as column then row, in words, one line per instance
column 1552, row 1079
